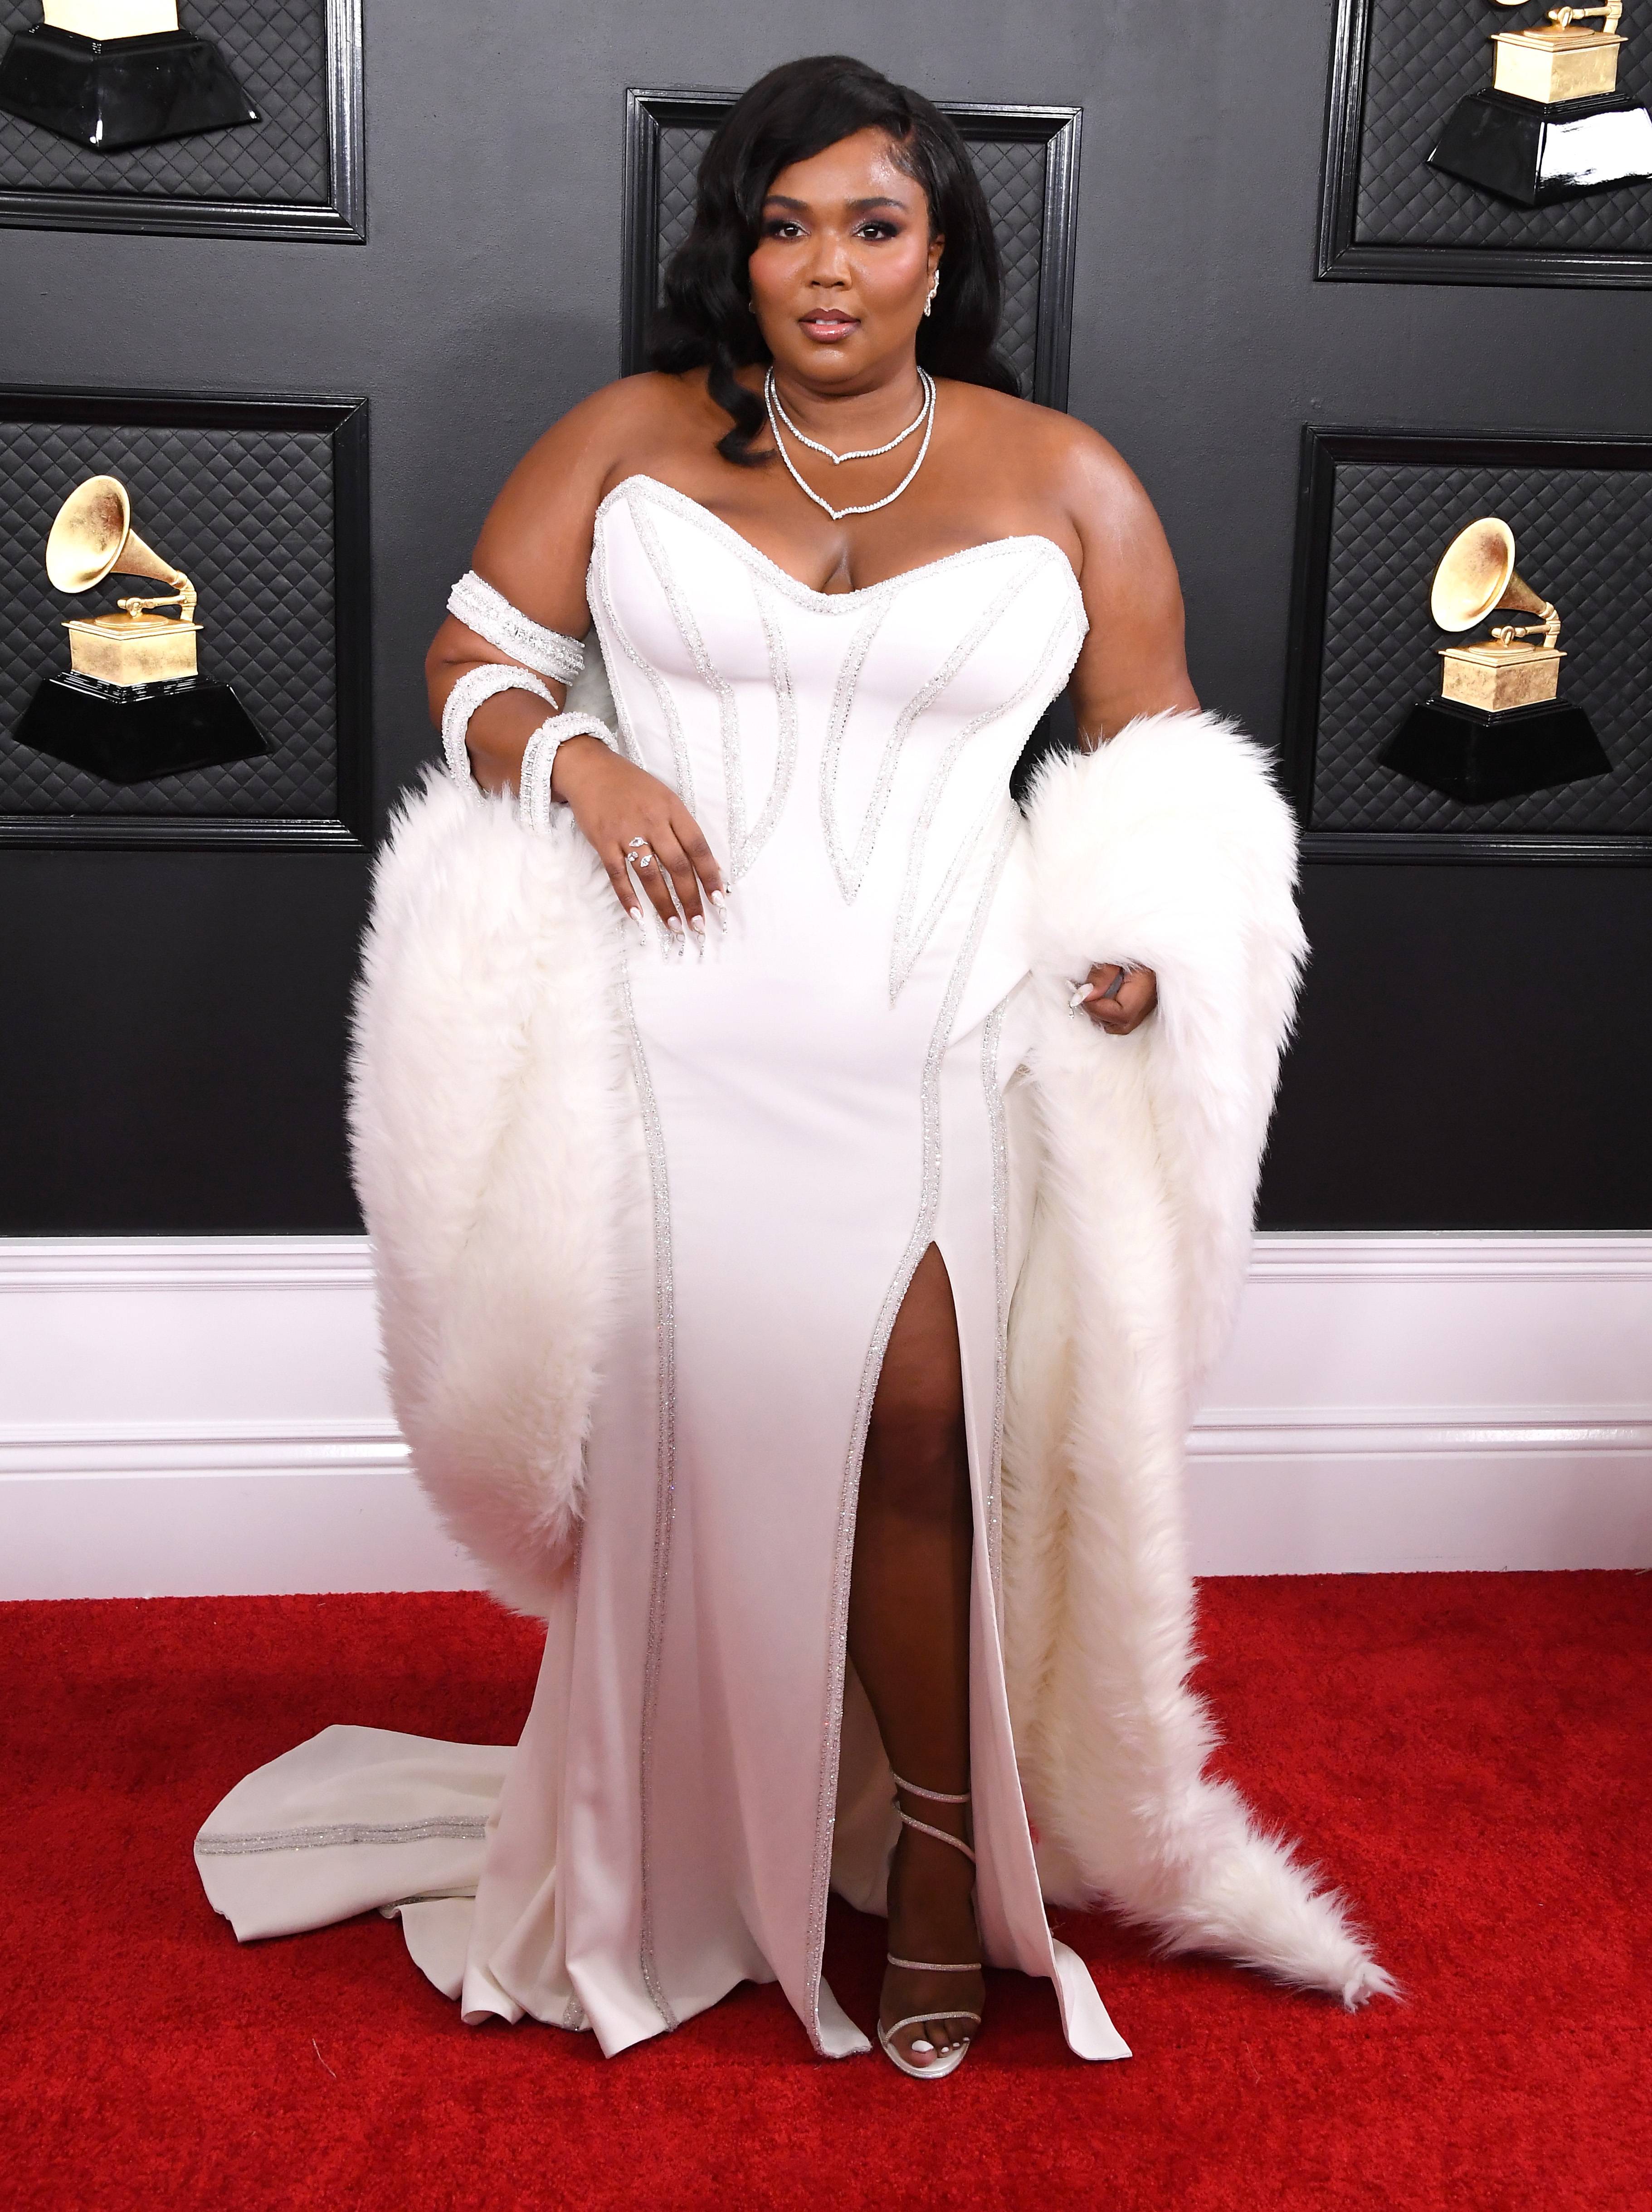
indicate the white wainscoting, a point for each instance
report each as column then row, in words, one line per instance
column 205, row 1416
column 1399, row 1402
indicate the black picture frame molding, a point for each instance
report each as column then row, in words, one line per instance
column 341, row 222
column 1323, row 450
column 343, row 417
column 1341, row 257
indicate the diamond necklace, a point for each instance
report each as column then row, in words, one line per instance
column 771, row 391
column 777, row 416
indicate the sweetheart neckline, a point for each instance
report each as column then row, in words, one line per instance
column 784, row 576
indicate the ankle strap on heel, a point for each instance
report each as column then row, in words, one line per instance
column 939, row 1834
column 935, row 1796
column 940, row 1798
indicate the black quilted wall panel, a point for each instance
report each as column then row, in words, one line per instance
column 1583, row 539
column 278, row 49
column 1422, row 56
column 681, row 149
column 247, row 514
column 1012, row 174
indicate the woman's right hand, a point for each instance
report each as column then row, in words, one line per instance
column 616, row 804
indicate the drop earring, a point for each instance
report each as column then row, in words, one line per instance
column 934, row 287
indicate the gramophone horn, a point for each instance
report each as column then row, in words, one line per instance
column 93, row 536
column 1472, row 574
column 1476, row 577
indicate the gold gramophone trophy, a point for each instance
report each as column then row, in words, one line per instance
column 114, row 73
column 1496, row 731
column 133, row 705
column 1553, row 124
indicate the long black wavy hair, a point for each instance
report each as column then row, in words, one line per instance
column 795, row 113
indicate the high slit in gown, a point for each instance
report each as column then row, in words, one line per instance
column 825, row 1091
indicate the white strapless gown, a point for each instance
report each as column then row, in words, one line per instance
column 827, row 1089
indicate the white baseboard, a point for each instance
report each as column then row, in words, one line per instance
column 205, row 1416
column 1406, row 1402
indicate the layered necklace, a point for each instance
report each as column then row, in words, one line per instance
column 923, row 419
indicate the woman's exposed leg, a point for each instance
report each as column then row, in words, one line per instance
column 909, row 1640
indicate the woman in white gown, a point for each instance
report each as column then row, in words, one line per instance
column 837, row 572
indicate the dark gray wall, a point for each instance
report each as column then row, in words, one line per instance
column 1472, row 1049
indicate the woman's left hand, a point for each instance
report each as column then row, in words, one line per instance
column 1117, row 1000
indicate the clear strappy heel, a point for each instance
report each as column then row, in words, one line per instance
column 955, row 2058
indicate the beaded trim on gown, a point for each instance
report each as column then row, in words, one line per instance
column 830, row 1087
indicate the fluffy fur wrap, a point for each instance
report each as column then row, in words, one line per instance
column 492, row 1115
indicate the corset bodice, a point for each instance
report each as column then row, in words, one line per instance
column 861, row 740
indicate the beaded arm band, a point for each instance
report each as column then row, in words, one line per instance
column 491, row 615
column 533, row 784
column 467, row 694
column 539, row 754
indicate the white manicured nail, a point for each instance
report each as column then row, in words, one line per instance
column 698, row 925
column 675, row 923
column 1078, row 997
column 916, row 2047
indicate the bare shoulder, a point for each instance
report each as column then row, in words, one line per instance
column 1072, row 465
column 1081, row 483
column 1055, row 446
column 1094, row 473
column 576, row 456
column 1117, row 523
column 536, row 544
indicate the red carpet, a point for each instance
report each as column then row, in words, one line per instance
column 1469, row 1756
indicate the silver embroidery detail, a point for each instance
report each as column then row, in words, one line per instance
column 575, row 2019
column 848, row 679
column 728, row 710
column 665, row 1491
column 993, row 1088
column 457, row 1827
column 743, row 846
column 850, row 868
column 918, row 1244
column 610, row 633
column 661, row 689
column 486, row 611
column 785, row 735
column 648, row 538
column 909, row 941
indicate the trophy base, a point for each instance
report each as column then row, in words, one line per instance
column 1473, row 754
column 134, row 733
column 1535, row 155
column 108, row 93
